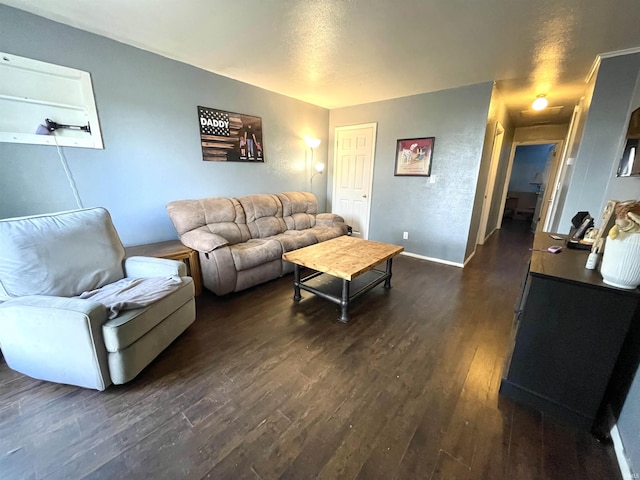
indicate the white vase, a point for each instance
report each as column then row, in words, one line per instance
column 621, row 261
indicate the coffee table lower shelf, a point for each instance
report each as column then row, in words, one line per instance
column 338, row 290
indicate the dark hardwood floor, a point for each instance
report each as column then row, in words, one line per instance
column 261, row 388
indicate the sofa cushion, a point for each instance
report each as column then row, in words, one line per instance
column 294, row 239
column 298, row 209
column 326, row 233
column 298, row 202
column 255, row 252
column 259, row 274
column 263, row 214
column 62, row 254
column 223, row 216
column 130, row 325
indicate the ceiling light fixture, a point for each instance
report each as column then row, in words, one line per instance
column 540, row 103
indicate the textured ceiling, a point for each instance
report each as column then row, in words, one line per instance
column 336, row 53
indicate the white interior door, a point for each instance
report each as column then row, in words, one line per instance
column 491, row 182
column 549, row 178
column 353, row 175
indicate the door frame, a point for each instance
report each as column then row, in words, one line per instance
column 374, row 127
column 490, row 185
column 550, row 188
column 552, row 211
column 552, row 173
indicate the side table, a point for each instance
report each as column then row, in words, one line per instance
column 172, row 250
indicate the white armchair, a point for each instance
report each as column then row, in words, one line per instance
column 46, row 334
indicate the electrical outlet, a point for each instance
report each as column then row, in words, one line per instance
column 405, row 235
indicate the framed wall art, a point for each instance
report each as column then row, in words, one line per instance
column 230, row 137
column 413, row 157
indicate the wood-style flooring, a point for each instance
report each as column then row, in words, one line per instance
column 261, row 388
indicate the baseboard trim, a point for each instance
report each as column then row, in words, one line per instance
column 473, row 254
column 431, row 259
column 618, row 447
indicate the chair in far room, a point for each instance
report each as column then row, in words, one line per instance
column 131, row 309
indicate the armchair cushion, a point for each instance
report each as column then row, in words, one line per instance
column 61, row 254
column 132, row 293
column 130, row 325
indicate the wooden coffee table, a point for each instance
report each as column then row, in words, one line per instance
column 339, row 264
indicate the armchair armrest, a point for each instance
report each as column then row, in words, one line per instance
column 146, row 267
column 203, row 241
column 56, row 339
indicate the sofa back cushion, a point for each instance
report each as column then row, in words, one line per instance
column 222, row 216
column 61, row 254
column 299, row 209
column 264, row 215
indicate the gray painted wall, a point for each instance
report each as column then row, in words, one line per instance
column 602, row 140
column 497, row 114
column 527, row 162
column 581, row 115
column 147, row 110
column 629, row 421
column 625, row 188
column 593, row 182
column 629, row 425
column 501, row 174
column 437, row 216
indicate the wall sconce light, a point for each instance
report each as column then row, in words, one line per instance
column 540, row 103
column 314, row 143
column 319, row 168
column 52, row 126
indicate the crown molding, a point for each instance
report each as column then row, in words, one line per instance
column 615, row 53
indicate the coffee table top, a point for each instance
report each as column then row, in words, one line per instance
column 343, row 257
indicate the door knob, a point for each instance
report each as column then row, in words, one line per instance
column 364, row 196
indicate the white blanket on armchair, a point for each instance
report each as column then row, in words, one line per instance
column 130, row 293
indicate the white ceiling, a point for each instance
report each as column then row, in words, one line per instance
column 336, row 53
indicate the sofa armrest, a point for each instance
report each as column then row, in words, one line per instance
column 202, row 241
column 328, row 219
column 146, row 267
column 56, row 339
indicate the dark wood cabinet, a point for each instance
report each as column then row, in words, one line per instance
column 568, row 331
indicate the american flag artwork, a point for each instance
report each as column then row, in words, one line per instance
column 213, row 122
column 230, row 137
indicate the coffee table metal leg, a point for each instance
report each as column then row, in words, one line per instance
column 344, row 303
column 296, row 282
column 387, row 282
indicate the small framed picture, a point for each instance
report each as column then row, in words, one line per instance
column 413, row 157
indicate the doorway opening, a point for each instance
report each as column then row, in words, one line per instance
column 528, row 189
